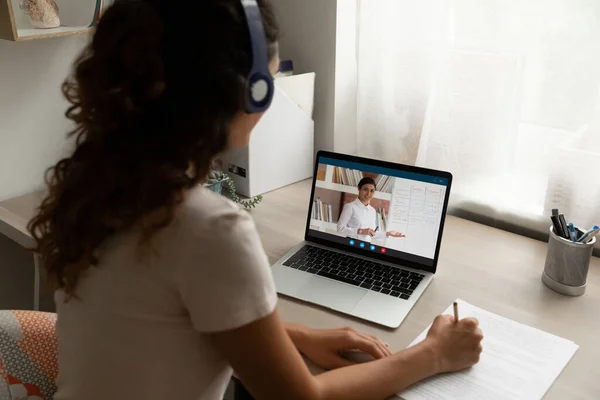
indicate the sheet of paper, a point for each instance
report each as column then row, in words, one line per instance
column 518, row 363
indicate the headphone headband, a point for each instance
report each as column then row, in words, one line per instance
column 260, row 86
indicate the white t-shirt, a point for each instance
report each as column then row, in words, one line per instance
column 140, row 329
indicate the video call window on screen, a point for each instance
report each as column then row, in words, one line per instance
column 391, row 209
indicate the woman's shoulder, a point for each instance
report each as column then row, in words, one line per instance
column 349, row 204
column 202, row 206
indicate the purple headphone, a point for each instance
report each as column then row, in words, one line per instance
column 259, row 84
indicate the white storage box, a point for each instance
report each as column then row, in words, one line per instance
column 281, row 150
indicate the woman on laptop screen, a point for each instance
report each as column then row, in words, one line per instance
column 359, row 219
column 163, row 287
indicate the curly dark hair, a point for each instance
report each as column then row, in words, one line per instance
column 151, row 97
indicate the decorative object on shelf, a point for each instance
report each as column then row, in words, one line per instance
column 217, row 180
column 80, row 13
column 98, row 12
column 43, row 14
column 101, row 7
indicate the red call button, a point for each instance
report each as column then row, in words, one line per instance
column 383, row 250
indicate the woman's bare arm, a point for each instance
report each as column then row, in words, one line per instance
column 265, row 359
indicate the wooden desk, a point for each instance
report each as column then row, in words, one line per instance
column 493, row 269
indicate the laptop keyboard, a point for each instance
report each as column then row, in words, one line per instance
column 356, row 271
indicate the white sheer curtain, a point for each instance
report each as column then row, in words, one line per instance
column 502, row 93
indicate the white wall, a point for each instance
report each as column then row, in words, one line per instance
column 32, row 122
column 309, row 39
column 320, row 36
column 345, row 139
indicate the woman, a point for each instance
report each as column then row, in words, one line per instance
column 161, row 285
column 359, row 219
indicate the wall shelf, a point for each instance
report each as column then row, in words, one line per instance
column 329, row 227
column 350, row 189
column 14, row 25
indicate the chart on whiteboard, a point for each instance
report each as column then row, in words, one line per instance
column 415, row 210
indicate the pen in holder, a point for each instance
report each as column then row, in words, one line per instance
column 567, row 265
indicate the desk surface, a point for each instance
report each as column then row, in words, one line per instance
column 492, row 269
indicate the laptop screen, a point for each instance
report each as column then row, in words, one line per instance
column 383, row 210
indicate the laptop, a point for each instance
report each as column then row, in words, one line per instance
column 369, row 253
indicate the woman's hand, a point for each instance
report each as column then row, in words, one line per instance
column 456, row 346
column 366, row 232
column 324, row 347
column 395, row 234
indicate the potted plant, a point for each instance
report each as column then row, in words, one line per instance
column 219, row 180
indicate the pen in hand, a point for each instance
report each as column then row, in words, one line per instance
column 455, row 312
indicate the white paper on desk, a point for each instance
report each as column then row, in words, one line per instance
column 518, row 363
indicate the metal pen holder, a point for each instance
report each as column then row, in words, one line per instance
column 567, row 265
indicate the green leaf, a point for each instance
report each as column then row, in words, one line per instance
column 232, row 194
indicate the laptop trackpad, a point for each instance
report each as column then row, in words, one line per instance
column 331, row 294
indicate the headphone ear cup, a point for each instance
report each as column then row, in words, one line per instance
column 260, row 87
column 260, row 91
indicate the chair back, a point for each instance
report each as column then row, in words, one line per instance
column 28, row 355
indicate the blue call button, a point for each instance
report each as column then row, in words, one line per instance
column 351, row 242
column 362, row 245
column 372, row 247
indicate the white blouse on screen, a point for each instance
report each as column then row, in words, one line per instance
column 355, row 215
